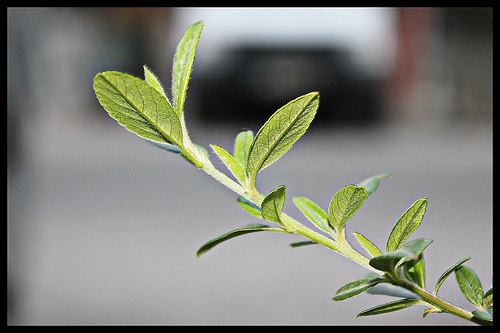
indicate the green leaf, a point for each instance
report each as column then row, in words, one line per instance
column 166, row 146
column 356, row 287
column 406, row 225
column 234, row 233
column 272, row 205
column 371, row 183
column 304, row 243
column 138, row 107
column 415, row 271
column 249, row 207
column 448, row 272
column 242, row 145
column 344, row 204
column 233, row 165
column 154, row 82
column 391, row 261
column 488, row 298
column 470, row 286
column 367, row 245
column 183, row 65
column 486, row 314
column 280, row 132
column 389, row 307
column 313, row 212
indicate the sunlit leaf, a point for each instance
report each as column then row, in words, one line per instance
column 280, row 132
column 344, row 204
column 183, row 65
column 367, row 245
column 272, row 205
column 250, row 207
column 406, row 225
column 230, row 162
column 154, row 82
column 138, row 107
column 313, row 212
column 470, row 286
column 242, row 145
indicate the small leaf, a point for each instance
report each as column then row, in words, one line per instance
column 448, row 272
column 488, row 298
column 470, row 286
column 406, row 225
column 249, row 207
column 183, row 65
column 391, row 290
column 280, row 132
column 415, row 271
column 313, row 212
column 389, row 307
column 242, row 145
column 371, row 183
column 304, row 243
column 234, row 233
column 272, row 205
column 138, row 107
column 391, row 261
column 166, row 146
column 154, row 82
column 367, row 245
column 484, row 314
column 356, row 287
column 344, row 204
column 233, row 165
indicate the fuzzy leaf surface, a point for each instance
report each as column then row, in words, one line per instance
column 242, row 145
column 272, row 205
column 234, row 233
column 470, row 286
column 280, row 132
column 344, row 204
column 367, row 245
column 231, row 163
column 138, row 107
column 183, row 65
column 154, row 82
column 313, row 212
column 406, row 225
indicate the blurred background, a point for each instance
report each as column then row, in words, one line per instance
column 103, row 228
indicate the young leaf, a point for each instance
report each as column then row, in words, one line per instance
column 488, row 298
column 415, row 271
column 367, row 245
column 272, row 205
column 371, row 183
column 389, row 307
column 138, row 107
column 313, row 212
column 304, row 243
column 183, row 65
column 249, row 207
column 233, row 165
column 154, row 82
column 237, row 232
column 470, row 286
column 356, row 287
column 448, row 272
column 280, row 132
column 406, row 225
column 242, row 145
column 344, row 204
column 391, row 261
